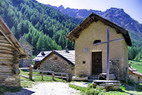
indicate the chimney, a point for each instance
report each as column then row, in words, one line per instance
column 67, row 51
column 42, row 53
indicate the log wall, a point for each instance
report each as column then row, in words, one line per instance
column 9, row 68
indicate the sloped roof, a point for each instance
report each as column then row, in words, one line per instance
column 40, row 57
column 68, row 56
column 11, row 38
column 94, row 18
column 133, row 71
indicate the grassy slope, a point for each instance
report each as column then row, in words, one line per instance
column 136, row 65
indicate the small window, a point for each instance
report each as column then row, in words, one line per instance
column 84, row 62
column 96, row 41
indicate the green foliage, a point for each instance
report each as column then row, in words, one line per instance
column 136, row 65
column 8, row 89
column 135, row 51
column 82, row 89
column 125, row 89
column 39, row 23
column 88, row 90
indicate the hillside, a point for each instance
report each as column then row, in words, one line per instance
column 44, row 27
column 117, row 16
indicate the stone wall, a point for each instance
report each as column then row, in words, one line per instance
column 135, row 78
column 57, row 64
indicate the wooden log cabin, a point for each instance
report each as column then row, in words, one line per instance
column 10, row 53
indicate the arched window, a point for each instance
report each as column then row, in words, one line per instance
column 96, row 41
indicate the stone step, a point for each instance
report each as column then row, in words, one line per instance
column 93, row 77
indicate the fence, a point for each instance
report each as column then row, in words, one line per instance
column 43, row 73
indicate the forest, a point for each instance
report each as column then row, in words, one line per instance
column 45, row 28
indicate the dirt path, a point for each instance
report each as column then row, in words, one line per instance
column 48, row 88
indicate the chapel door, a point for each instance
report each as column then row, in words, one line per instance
column 96, row 63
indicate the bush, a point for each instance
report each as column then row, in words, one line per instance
column 94, row 91
column 90, row 90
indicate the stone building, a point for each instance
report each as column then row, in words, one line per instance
column 10, row 53
column 134, row 75
column 57, row 61
column 29, row 49
column 90, row 58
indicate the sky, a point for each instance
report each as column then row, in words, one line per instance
column 131, row 7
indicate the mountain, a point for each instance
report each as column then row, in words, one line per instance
column 45, row 27
column 115, row 15
column 42, row 26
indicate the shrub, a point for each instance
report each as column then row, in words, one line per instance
column 90, row 90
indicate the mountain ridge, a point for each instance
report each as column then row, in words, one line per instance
column 115, row 15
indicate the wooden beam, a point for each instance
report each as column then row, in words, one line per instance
column 2, row 38
column 5, row 45
column 5, row 69
column 6, row 51
column 119, row 39
column 108, row 65
column 6, row 55
column 4, row 41
column 9, row 40
column 6, row 62
column 6, row 48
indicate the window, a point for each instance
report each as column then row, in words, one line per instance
column 96, row 41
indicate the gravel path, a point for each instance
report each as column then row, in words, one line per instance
column 48, row 88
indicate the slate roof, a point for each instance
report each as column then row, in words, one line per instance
column 68, row 56
column 94, row 18
column 40, row 57
column 133, row 71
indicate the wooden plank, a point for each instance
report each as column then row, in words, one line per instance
column 6, row 51
column 24, row 68
column 6, row 55
column 3, row 62
column 6, row 48
column 108, row 55
column 60, row 77
column 7, row 37
column 5, row 69
column 105, row 42
column 24, row 76
column 4, row 41
column 37, row 70
column 2, row 37
column 106, row 81
column 5, row 45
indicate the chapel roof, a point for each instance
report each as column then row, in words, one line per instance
column 94, row 18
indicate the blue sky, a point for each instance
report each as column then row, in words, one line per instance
column 131, row 7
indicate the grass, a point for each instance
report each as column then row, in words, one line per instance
column 8, row 89
column 25, row 83
column 125, row 89
column 136, row 65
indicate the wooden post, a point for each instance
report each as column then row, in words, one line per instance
column 42, row 75
column 68, row 78
column 30, row 72
column 108, row 65
column 53, row 75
